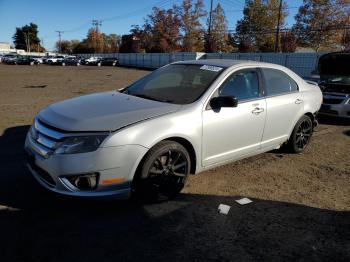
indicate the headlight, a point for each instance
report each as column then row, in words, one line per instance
column 80, row 144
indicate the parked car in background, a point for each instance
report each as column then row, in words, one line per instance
column 94, row 60
column 45, row 58
column 334, row 70
column 72, row 60
column 38, row 59
column 56, row 60
column 109, row 61
column 10, row 59
column 26, row 60
column 180, row 119
column 69, row 60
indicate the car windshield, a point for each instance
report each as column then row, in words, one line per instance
column 177, row 83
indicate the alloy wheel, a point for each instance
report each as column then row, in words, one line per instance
column 303, row 134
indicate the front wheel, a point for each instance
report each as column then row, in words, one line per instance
column 163, row 172
column 301, row 135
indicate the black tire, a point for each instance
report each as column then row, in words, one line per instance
column 163, row 172
column 301, row 135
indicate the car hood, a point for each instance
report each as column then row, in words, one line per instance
column 334, row 64
column 106, row 111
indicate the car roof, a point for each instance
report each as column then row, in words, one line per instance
column 225, row 62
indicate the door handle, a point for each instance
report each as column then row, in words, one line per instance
column 298, row 101
column 257, row 110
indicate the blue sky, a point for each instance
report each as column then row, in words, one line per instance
column 75, row 17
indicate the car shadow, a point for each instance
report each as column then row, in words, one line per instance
column 335, row 121
column 39, row 226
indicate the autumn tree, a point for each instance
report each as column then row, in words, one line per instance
column 81, row 47
column 245, row 46
column 95, row 41
column 318, row 23
column 346, row 41
column 73, row 46
column 193, row 32
column 288, row 42
column 26, row 37
column 160, row 32
column 65, row 46
column 217, row 39
column 259, row 23
column 111, row 43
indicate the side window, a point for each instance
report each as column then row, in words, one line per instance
column 243, row 85
column 277, row 82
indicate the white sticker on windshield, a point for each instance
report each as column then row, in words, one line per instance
column 211, row 68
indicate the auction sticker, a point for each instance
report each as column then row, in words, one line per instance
column 211, row 68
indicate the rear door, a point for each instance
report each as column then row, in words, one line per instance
column 284, row 105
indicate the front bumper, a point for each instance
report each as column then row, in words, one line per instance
column 335, row 104
column 338, row 110
column 110, row 163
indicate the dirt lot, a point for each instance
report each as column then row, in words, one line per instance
column 301, row 208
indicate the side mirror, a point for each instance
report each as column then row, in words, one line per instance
column 223, row 101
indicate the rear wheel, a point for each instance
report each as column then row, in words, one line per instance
column 163, row 172
column 301, row 135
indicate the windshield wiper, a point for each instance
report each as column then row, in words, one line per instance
column 151, row 98
column 144, row 96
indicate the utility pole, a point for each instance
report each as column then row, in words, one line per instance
column 27, row 34
column 209, row 26
column 59, row 40
column 278, row 27
column 96, row 24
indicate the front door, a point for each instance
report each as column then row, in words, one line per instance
column 232, row 132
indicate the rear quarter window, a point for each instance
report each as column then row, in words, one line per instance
column 278, row 82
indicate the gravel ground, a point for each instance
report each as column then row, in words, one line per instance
column 301, row 208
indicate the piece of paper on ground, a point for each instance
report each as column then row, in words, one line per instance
column 223, row 209
column 244, row 201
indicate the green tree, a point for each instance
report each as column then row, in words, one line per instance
column 218, row 37
column 193, row 32
column 259, row 23
column 26, row 37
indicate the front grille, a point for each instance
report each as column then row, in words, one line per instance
column 47, row 136
column 45, row 176
column 332, row 101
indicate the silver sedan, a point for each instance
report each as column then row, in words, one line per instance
column 181, row 119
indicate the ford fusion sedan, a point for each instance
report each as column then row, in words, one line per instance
column 186, row 117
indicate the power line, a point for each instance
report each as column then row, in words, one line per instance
column 241, row 10
column 286, row 30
